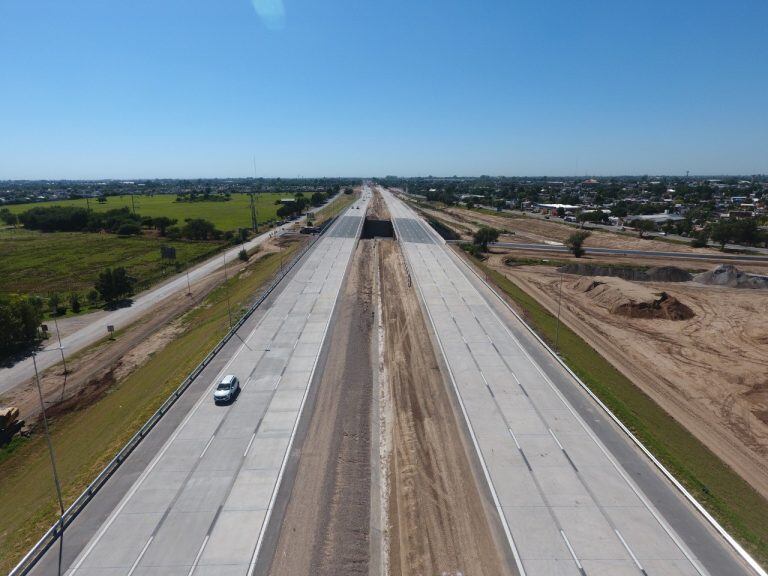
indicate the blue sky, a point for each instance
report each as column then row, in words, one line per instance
column 196, row 88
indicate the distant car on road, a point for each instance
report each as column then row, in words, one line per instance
column 227, row 390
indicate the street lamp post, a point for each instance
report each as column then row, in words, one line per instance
column 53, row 463
column 559, row 300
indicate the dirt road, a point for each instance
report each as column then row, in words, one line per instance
column 325, row 529
column 438, row 520
column 708, row 372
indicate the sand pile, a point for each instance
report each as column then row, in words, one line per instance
column 627, row 299
column 730, row 276
column 635, row 274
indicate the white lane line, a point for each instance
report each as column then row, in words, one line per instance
column 124, row 502
column 141, row 554
column 514, row 438
column 199, row 553
column 249, row 445
column 573, row 554
column 206, row 446
column 556, row 440
column 632, row 554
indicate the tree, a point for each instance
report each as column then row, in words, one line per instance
column 701, row 239
column 9, row 217
column 20, row 318
column 102, row 199
column 162, row 223
column 74, row 302
column 317, row 199
column 721, row 233
column 470, row 203
column 114, row 285
column 484, row 235
column 199, row 229
column 643, row 226
column 575, row 242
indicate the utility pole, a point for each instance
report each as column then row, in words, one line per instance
column 133, row 205
column 87, row 202
column 64, row 361
column 559, row 300
column 53, row 463
column 226, row 289
column 254, row 219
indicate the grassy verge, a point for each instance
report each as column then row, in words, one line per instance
column 736, row 505
column 85, row 440
column 334, row 208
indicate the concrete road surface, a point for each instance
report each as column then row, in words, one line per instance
column 96, row 330
column 202, row 504
column 574, row 495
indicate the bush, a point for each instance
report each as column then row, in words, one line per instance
column 129, row 229
column 74, row 302
column 243, row 255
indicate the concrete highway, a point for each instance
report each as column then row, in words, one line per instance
column 638, row 253
column 202, row 504
column 574, row 495
column 142, row 304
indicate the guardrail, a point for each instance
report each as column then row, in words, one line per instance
column 49, row 538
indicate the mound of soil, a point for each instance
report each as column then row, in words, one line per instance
column 730, row 276
column 656, row 274
column 627, row 299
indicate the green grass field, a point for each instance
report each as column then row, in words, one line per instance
column 85, row 440
column 236, row 213
column 36, row 263
column 738, row 507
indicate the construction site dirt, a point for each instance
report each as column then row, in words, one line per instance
column 438, row 517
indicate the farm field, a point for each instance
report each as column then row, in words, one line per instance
column 41, row 263
column 236, row 213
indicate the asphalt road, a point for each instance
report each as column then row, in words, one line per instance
column 574, row 495
column 143, row 303
column 203, row 502
column 639, row 253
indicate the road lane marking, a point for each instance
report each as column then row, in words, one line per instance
column 206, row 446
column 573, row 554
column 141, row 554
column 632, row 554
column 199, row 553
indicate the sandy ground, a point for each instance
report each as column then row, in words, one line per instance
column 438, row 521
column 325, row 529
column 92, row 372
column 533, row 230
column 710, row 372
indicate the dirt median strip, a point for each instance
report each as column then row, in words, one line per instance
column 438, row 522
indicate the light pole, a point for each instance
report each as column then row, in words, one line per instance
column 559, row 300
column 53, row 462
column 226, row 289
column 64, row 361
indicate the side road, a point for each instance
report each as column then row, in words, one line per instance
column 95, row 330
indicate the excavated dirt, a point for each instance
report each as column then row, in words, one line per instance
column 632, row 300
column 635, row 274
column 710, row 372
column 438, row 520
column 326, row 527
column 730, row 276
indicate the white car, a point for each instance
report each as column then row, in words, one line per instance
column 227, row 390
